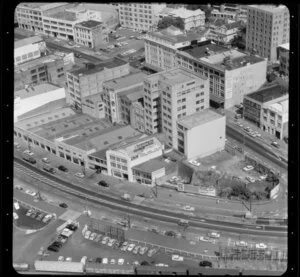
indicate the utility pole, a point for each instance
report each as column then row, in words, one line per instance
column 155, row 190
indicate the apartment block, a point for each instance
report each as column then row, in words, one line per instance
column 170, row 95
column 201, row 134
column 283, row 52
column 268, row 108
column 28, row 49
column 91, row 33
column 140, row 16
column 268, row 27
column 88, row 80
column 191, row 19
column 116, row 93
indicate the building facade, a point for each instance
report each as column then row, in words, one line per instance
column 201, row 134
column 137, row 115
column 93, row 106
column 230, row 11
column 268, row 27
column 87, row 81
column 140, row 16
column 92, row 34
column 284, row 58
column 268, row 108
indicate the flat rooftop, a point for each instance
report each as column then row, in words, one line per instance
column 199, row 118
column 133, row 94
column 98, row 67
column 285, row 46
column 267, row 94
column 90, row 24
column 95, row 97
column 27, row 41
column 150, row 166
column 42, row 5
column 269, row 8
column 64, row 15
column 125, row 81
column 181, row 12
column 38, row 89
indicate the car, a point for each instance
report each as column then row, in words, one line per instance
column 130, row 247
column 30, row 192
column 29, row 212
column 263, row 177
column 28, row 152
column 188, row 208
column 152, row 252
column 72, row 227
column 111, row 242
column 205, row 264
column 53, row 248
column 241, row 243
column 261, row 246
column 136, row 249
column 141, row 194
column 112, row 261
column 105, row 261
column 136, row 263
column 61, row 258
column 132, row 37
column 63, row 168
column 122, row 223
column 69, row 259
column 105, row 240
column 120, row 261
column 46, row 160
column 79, row 175
column 248, row 168
column 193, row 162
column 93, row 236
column 40, row 216
column 257, row 134
column 34, row 214
column 87, row 234
column 47, row 218
column 97, row 239
column 17, row 145
column 177, row 258
column 214, row 235
column 250, row 179
column 63, row 205
column 274, row 143
column 205, row 239
column 143, row 250
column 103, row 184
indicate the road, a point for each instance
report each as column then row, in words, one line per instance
column 150, row 212
column 255, row 146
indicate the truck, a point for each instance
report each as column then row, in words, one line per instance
column 28, row 158
column 49, row 168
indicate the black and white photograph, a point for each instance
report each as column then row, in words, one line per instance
column 150, row 138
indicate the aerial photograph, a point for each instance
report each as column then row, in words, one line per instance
column 150, row 139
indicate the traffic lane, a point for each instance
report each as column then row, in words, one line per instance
column 116, row 203
column 263, row 151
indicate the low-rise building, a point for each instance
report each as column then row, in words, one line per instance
column 51, row 69
column 191, row 19
column 118, row 88
column 88, row 80
column 230, row 11
column 28, row 49
column 268, row 108
column 201, row 134
column 284, row 57
column 91, row 33
column 93, row 106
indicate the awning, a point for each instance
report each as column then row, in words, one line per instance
column 216, row 99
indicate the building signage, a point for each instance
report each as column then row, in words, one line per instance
column 143, row 145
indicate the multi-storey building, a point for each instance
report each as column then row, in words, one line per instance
column 93, row 106
column 284, row 57
column 137, row 115
column 28, row 49
column 116, row 89
column 268, row 108
column 191, row 19
column 91, row 33
column 140, row 16
column 161, row 46
column 181, row 93
column 268, row 27
column 50, row 69
column 201, row 134
column 230, row 11
column 88, row 80
column 30, row 15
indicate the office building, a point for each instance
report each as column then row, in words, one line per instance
column 115, row 93
column 88, row 80
column 28, row 49
column 283, row 52
column 268, row 27
column 140, row 16
column 268, row 108
column 170, row 95
column 191, row 19
column 49, row 68
column 201, row 134
column 91, row 33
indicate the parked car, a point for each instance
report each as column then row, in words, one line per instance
column 63, row 168
column 69, row 259
column 177, row 258
column 40, row 216
column 205, row 264
column 261, row 246
column 53, row 248
column 105, row 240
column 120, row 261
column 47, row 218
column 63, row 205
column 97, row 239
column 46, row 160
column 214, row 235
column 122, row 223
column 152, row 252
column 111, row 242
column 103, row 183
column 72, row 227
column 30, row 192
column 93, row 236
column 34, row 214
column 17, row 145
column 193, row 162
column 274, row 143
column 248, row 168
column 205, row 239
column 250, row 179
column 263, row 177
column 28, row 152
column 143, row 250
column 87, row 234
column 112, row 261
column 136, row 249
column 29, row 212
column 79, row 174
column 189, row 208
column 130, row 247
column 241, row 243
column 105, row 261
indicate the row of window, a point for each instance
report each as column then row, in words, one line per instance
column 27, row 56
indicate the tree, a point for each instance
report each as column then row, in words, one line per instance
column 169, row 21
